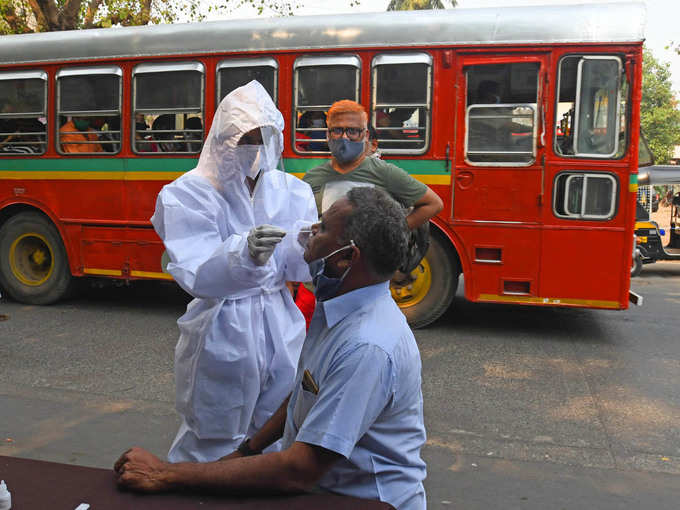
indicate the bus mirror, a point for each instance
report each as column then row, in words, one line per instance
column 645, row 156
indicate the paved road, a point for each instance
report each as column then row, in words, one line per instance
column 526, row 408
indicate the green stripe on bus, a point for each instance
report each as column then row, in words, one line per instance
column 633, row 179
column 64, row 165
column 412, row 166
column 292, row 165
column 98, row 165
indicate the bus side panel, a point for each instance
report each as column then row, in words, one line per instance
column 103, row 251
column 145, row 250
column 579, row 262
column 498, row 261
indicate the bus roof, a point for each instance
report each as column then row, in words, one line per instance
column 584, row 23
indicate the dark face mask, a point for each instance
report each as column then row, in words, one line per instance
column 81, row 124
column 326, row 287
column 344, row 150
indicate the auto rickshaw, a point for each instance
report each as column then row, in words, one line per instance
column 649, row 243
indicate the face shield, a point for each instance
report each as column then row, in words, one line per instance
column 258, row 151
column 233, row 148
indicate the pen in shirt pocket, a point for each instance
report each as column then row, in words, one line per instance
column 308, row 382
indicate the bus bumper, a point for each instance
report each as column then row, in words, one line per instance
column 635, row 298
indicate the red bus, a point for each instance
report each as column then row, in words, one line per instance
column 524, row 120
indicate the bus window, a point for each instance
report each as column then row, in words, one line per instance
column 168, row 108
column 501, row 113
column 88, row 109
column 23, row 95
column 318, row 83
column 579, row 195
column 401, row 94
column 232, row 74
column 591, row 108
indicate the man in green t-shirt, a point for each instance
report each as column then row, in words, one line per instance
column 349, row 167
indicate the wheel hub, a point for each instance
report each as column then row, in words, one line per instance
column 31, row 259
column 409, row 290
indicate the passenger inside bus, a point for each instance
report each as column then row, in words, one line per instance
column 20, row 135
column 308, row 124
column 143, row 142
column 384, row 121
column 8, row 127
column 110, row 136
column 76, row 135
column 161, row 130
column 194, row 134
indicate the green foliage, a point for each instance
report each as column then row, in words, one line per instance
column 21, row 16
column 417, row 5
column 15, row 17
column 659, row 114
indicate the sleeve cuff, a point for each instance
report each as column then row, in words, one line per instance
column 328, row 441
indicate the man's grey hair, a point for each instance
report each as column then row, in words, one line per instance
column 377, row 225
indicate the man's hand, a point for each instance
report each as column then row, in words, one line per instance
column 261, row 242
column 141, row 471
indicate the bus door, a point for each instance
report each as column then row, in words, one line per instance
column 498, row 173
column 586, row 253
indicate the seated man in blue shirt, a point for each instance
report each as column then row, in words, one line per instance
column 354, row 422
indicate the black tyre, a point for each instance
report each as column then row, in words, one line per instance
column 428, row 293
column 636, row 266
column 33, row 263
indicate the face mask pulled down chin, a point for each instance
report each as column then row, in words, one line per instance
column 326, row 287
column 344, row 150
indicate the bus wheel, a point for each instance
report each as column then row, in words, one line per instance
column 427, row 294
column 636, row 266
column 33, row 264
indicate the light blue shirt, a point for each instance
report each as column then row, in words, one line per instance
column 369, row 407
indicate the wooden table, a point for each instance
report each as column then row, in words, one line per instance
column 38, row 485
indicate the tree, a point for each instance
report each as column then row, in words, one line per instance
column 22, row 16
column 417, row 5
column 659, row 114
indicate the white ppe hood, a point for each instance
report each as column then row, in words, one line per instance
column 244, row 109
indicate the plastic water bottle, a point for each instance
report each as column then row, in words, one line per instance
column 5, row 497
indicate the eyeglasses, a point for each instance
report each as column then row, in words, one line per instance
column 353, row 133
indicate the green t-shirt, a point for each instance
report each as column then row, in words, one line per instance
column 329, row 185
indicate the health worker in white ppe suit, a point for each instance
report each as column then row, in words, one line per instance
column 230, row 229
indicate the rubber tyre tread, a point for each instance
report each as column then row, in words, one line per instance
column 59, row 285
column 445, row 272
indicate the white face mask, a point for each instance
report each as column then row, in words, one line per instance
column 249, row 159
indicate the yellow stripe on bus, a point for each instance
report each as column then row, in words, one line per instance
column 103, row 272
column 532, row 300
column 149, row 274
column 633, row 187
column 155, row 176
column 137, row 274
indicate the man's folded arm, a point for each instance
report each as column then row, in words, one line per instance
column 294, row 470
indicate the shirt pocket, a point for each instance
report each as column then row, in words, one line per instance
column 305, row 401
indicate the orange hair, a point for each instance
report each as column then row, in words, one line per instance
column 347, row 106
